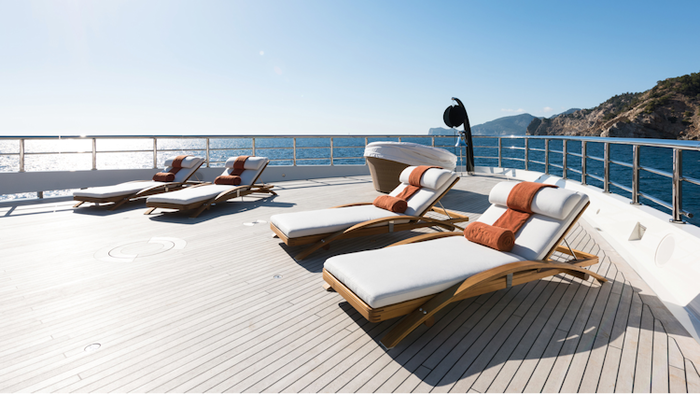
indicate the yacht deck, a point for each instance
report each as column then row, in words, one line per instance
column 217, row 304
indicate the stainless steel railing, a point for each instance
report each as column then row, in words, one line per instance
column 333, row 155
column 677, row 177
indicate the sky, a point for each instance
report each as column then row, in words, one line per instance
column 299, row 67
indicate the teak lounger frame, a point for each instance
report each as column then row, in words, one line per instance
column 375, row 227
column 422, row 310
column 200, row 206
column 118, row 201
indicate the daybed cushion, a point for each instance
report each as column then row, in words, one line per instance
column 411, row 154
column 433, row 183
column 300, row 224
column 392, row 275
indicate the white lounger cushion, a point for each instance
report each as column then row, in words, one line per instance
column 299, row 224
column 402, row 273
column 187, row 162
column 206, row 192
column 433, row 183
column 190, row 164
column 388, row 276
column 555, row 203
column 322, row 221
column 189, row 195
column 121, row 189
column 539, row 234
column 252, row 163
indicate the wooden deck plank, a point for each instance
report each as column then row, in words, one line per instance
column 628, row 362
column 576, row 327
column 642, row 374
column 660, row 365
column 594, row 364
column 691, row 377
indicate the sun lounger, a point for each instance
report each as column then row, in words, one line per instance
column 321, row 227
column 203, row 196
column 123, row 192
column 420, row 276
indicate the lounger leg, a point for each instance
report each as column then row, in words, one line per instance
column 78, row 204
column 149, row 210
column 118, row 204
column 328, row 287
column 200, row 210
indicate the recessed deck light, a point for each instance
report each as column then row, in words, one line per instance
column 92, row 347
column 278, row 276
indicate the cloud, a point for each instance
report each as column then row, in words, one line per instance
column 512, row 110
column 548, row 109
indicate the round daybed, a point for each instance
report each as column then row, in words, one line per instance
column 387, row 159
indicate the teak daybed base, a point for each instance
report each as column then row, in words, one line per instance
column 375, row 227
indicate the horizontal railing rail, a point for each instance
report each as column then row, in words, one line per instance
column 338, row 150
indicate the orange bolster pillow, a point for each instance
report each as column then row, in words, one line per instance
column 228, row 180
column 494, row 237
column 390, row 203
column 164, row 177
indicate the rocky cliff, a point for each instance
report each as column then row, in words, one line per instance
column 671, row 109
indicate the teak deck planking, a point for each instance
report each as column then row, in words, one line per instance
column 213, row 317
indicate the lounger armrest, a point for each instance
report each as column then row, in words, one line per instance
column 449, row 213
column 230, row 191
column 154, row 187
column 425, row 237
column 357, row 204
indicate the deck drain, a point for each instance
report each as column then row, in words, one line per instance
column 278, row 276
column 254, row 223
column 92, row 347
column 127, row 253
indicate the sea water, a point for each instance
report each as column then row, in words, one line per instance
column 123, row 153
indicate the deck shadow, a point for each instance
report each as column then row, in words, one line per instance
column 533, row 332
column 226, row 208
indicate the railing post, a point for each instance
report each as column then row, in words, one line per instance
column 583, row 163
column 527, row 153
column 21, row 155
column 155, row 152
column 500, row 153
column 563, row 158
column 635, row 175
column 294, row 152
column 677, row 187
column 208, row 158
column 606, row 168
column 546, row 156
column 253, row 146
column 94, row 153
column 332, row 149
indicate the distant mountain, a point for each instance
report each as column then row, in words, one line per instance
column 671, row 109
column 509, row 125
